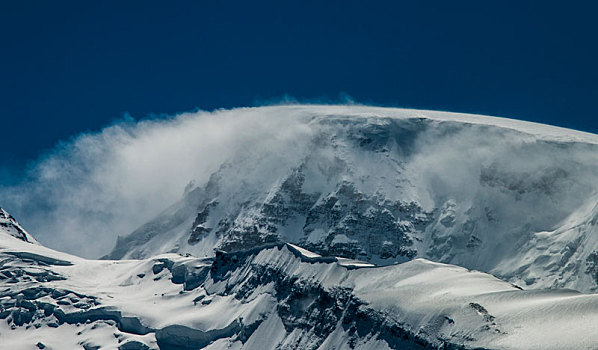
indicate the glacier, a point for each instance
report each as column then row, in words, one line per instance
column 277, row 296
column 341, row 227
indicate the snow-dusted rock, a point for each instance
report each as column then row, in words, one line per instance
column 277, row 296
column 9, row 225
column 382, row 185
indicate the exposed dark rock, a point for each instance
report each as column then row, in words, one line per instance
column 592, row 266
column 178, row 337
column 133, row 345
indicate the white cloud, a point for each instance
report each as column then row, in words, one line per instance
column 104, row 184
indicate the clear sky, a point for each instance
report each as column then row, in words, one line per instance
column 69, row 67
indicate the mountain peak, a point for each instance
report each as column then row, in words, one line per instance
column 387, row 185
column 10, row 226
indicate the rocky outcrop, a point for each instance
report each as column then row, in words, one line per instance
column 10, row 226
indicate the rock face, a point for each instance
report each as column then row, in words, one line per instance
column 10, row 226
column 382, row 185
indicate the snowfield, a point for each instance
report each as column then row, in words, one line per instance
column 275, row 296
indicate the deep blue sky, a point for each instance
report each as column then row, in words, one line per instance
column 68, row 67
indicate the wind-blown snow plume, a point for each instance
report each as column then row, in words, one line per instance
column 104, row 184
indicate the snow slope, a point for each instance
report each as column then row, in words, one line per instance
column 10, row 226
column 275, row 296
column 382, row 185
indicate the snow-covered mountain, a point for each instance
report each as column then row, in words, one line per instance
column 10, row 226
column 278, row 296
column 511, row 198
column 351, row 227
